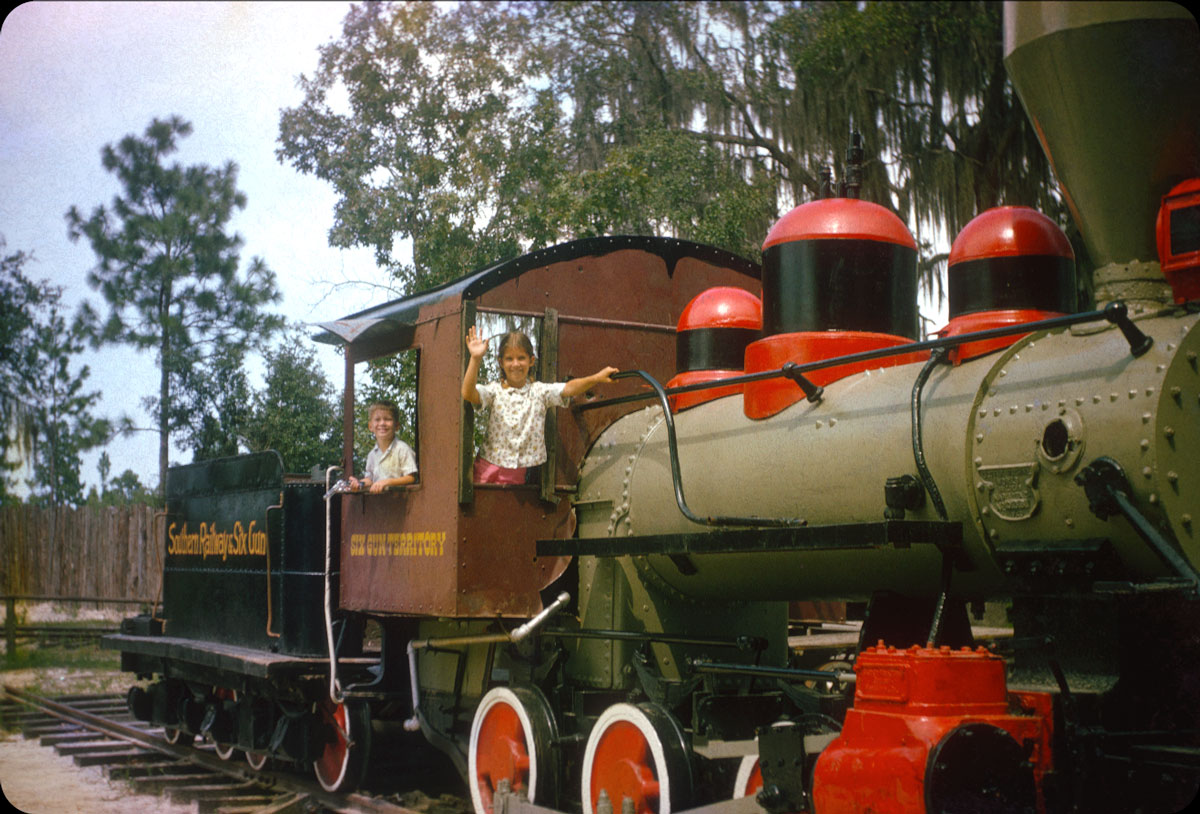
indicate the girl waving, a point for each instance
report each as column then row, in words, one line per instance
column 515, row 436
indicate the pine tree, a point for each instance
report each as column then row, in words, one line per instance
column 296, row 413
column 42, row 391
column 169, row 269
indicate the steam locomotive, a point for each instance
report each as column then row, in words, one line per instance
column 616, row 634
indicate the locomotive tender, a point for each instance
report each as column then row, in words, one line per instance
column 807, row 446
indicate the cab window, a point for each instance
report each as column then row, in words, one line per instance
column 493, row 326
column 388, row 378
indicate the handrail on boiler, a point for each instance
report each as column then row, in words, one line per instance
column 677, row 477
column 1115, row 312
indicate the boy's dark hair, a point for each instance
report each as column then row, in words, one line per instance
column 383, row 404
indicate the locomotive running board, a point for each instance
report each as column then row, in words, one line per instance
column 947, row 536
column 243, row 660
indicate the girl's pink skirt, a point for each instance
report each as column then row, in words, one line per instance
column 488, row 472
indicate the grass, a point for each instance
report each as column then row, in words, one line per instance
column 29, row 656
column 55, row 669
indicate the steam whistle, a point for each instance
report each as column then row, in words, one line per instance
column 854, row 161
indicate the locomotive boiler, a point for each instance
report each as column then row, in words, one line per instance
column 617, row 633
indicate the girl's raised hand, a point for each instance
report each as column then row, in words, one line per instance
column 476, row 345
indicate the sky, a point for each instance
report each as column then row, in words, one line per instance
column 75, row 76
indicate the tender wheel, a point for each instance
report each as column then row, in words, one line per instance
column 637, row 752
column 512, row 738
column 256, row 760
column 178, row 736
column 749, row 778
column 225, row 751
column 343, row 763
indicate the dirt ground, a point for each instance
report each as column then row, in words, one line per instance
column 37, row 780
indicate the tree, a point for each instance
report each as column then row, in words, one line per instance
column 434, row 127
column 779, row 87
column 484, row 130
column 168, row 268
column 296, row 413
column 213, row 407
column 122, row 490
column 19, row 300
column 41, row 389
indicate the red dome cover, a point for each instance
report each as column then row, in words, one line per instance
column 1180, row 261
column 847, row 218
column 722, row 307
column 1010, row 231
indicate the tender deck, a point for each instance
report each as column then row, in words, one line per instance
column 243, row 660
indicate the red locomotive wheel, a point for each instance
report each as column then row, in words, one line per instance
column 637, row 752
column 512, row 739
column 749, row 778
column 343, row 763
column 256, row 760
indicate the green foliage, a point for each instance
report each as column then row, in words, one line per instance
column 297, row 412
column 484, row 130
column 926, row 84
column 424, row 140
column 19, row 300
column 649, row 187
column 213, row 405
column 127, row 488
column 44, row 399
column 169, row 273
column 436, row 124
column 123, row 490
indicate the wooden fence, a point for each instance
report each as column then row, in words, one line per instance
column 95, row 551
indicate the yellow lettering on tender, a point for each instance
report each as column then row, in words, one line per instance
column 211, row 541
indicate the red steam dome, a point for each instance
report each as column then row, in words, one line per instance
column 839, row 277
column 846, row 218
column 712, row 334
column 1009, row 265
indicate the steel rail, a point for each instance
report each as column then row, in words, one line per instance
column 280, row 782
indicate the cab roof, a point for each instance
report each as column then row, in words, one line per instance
column 380, row 321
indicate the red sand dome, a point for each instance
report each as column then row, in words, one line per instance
column 712, row 333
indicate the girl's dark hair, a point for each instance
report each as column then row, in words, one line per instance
column 522, row 342
column 519, row 339
column 390, row 406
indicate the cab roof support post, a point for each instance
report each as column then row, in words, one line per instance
column 548, row 348
column 466, row 489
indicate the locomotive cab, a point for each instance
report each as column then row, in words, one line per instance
column 446, row 546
